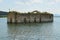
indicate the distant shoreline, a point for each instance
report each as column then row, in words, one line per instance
column 3, row 15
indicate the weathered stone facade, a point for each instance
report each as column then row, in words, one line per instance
column 33, row 17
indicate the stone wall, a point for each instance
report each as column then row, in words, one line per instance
column 46, row 18
column 29, row 18
column 11, row 17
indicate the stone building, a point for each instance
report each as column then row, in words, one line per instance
column 30, row 17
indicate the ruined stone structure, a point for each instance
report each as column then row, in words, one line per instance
column 30, row 17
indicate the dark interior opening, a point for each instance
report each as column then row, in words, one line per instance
column 35, row 19
column 24, row 20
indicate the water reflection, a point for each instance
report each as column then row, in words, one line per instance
column 33, row 31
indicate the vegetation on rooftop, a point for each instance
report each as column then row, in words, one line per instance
column 33, row 12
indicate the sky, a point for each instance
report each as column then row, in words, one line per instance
column 52, row 6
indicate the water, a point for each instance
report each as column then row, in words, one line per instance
column 33, row 31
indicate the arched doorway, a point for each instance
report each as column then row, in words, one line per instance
column 25, row 20
column 40, row 20
column 10, row 20
column 35, row 20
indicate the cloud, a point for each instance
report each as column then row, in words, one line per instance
column 57, row 0
column 1, row 1
column 53, row 2
column 30, row 2
column 36, row 1
column 23, row 3
column 17, row 2
column 42, row 5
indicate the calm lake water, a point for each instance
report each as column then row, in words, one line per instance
column 33, row 31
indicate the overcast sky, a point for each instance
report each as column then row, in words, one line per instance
column 52, row 6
